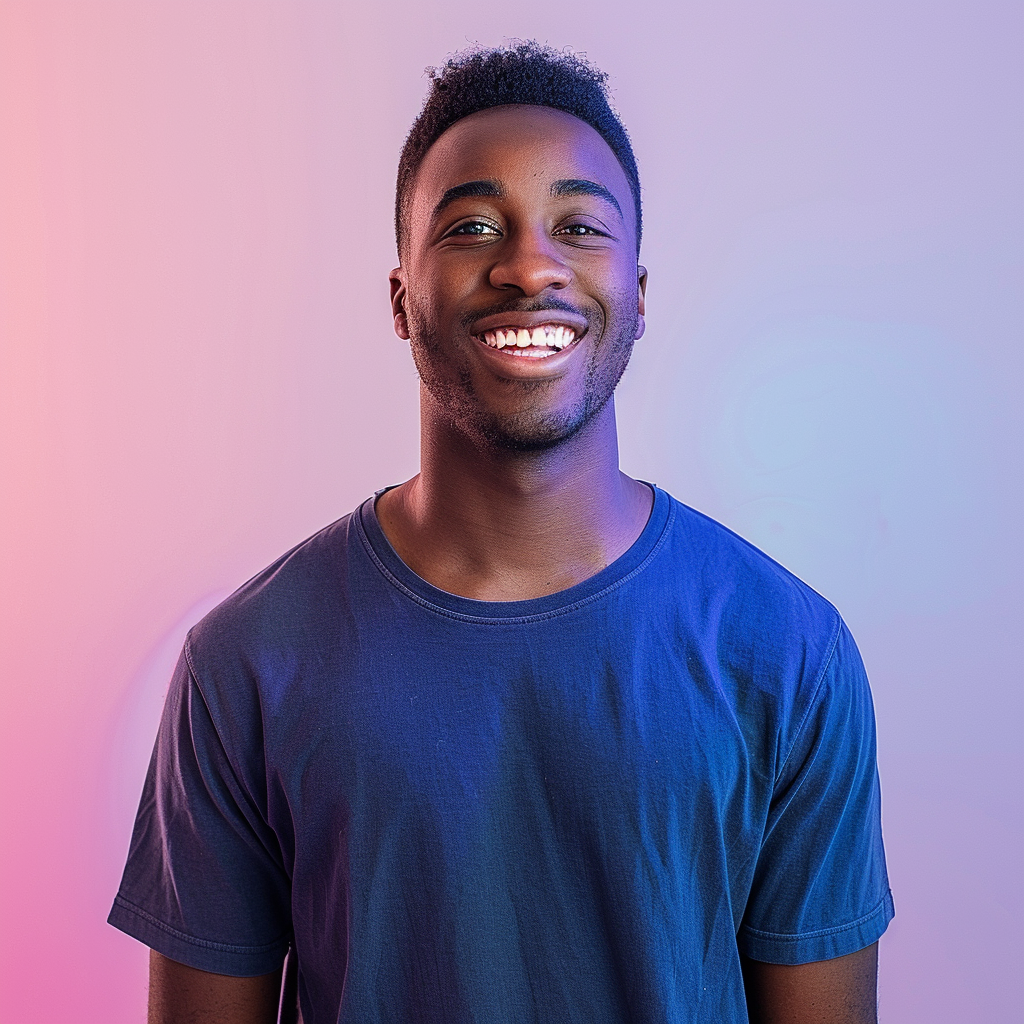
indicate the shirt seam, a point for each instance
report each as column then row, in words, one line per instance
column 223, row 947
column 821, row 932
column 238, row 776
column 819, row 682
column 515, row 619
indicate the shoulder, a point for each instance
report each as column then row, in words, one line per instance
column 744, row 589
column 252, row 647
column 768, row 636
column 278, row 598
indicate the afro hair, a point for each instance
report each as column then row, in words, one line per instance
column 524, row 73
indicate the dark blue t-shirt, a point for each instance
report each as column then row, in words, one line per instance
column 576, row 809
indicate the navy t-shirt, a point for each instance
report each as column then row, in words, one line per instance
column 577, row 809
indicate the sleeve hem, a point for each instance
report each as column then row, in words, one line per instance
column 203, row 954
column 825, row 944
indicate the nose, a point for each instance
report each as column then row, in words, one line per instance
column 529, row 263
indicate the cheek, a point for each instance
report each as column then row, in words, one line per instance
column 430, row 297
column 417, row 316
column 621, row 309
column 614, row 288
column 430, row 329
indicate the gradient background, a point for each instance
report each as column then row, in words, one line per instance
column 198, row 370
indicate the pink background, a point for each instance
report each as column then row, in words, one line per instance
column 198, row 370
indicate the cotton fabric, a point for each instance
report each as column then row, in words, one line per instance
column 580, row 808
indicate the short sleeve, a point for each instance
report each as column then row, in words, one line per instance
column 820, row 887
column 204, row 882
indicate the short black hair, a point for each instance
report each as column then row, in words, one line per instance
column 526, row 73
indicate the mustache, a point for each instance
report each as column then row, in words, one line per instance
column 514, row 305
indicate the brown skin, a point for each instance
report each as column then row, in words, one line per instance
column 519, row 493
column 183, row 995
column 840, row 991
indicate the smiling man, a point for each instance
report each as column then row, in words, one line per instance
column 521, row 739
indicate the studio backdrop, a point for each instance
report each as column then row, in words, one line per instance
column 198, row 369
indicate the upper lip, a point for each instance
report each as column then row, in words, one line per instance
column 537, row 318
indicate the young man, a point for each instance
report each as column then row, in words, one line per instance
column 521, row 739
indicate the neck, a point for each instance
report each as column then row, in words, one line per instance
column 497, row 525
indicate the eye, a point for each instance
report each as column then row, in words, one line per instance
column 580, row 231
column 474, row 227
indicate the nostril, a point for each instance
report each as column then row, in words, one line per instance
column 530, row 273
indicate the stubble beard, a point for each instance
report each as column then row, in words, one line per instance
column 529, row 429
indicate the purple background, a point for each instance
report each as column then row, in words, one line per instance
column 197, row 369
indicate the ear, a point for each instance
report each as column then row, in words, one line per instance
column 641, row 306
column 398, row 292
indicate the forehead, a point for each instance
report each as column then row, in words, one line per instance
column 524, row 147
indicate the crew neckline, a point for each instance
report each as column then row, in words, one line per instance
column 624, row 568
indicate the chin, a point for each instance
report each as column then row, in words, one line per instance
column 516, row 439
column 531, row 431
column 524, row 430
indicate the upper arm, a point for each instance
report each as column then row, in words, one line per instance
column 820, row 889
column 839, row 991
column 184, row 995
column 206, row 882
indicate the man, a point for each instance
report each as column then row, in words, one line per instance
column 521, row 739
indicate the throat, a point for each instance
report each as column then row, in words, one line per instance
column 497, row 553
column 502, row 581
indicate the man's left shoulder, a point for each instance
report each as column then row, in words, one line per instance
column 763, row 617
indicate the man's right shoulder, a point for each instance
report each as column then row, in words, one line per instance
column 285, row 604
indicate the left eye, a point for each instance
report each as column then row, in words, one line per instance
column 578, row 230
column 474, row 227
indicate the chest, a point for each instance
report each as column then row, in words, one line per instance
column 576, row 736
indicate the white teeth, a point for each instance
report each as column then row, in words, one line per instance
column 534, row 342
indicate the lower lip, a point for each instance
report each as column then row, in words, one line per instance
column 527, row 355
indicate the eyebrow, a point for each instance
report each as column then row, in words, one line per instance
column 490, row 187
column 484, row 187
column 582, row 187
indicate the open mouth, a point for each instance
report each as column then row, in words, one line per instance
column 530, row 342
